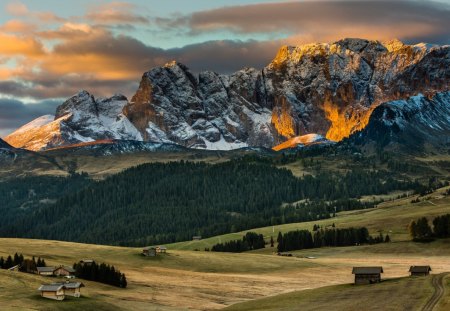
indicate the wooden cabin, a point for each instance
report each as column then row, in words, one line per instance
column 149, row 251
column 53, row 291
column 71, row 288
column 196, row 238
column 161, row 249
column 47, row 271
column 63, row 271
column 419, row 270
column 367, row 275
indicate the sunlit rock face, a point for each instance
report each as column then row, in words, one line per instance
column 327, row 89
column 332, row 89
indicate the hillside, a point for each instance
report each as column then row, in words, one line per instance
column 170, row 202
column 395, row 294
column 206, row 280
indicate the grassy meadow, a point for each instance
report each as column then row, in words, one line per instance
column 197, row 280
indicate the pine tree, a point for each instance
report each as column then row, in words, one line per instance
column 280, row 242
column 387, row 239
column 272, row 242
column 9, row 262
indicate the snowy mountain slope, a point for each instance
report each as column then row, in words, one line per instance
column 413, row 122
column 81, row 118
column 112, row 146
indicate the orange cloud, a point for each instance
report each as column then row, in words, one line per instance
column 20, row 45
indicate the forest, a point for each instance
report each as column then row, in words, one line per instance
column 250, row 241
column 102, row 273
column 304, row 239
column 159, row 203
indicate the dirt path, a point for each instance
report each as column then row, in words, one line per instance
column 437, row 283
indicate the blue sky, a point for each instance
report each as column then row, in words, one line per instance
column 50, row 49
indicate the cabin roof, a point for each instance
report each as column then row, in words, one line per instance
column 45, row 269
column 420, row 269
column 87, row 260
column 50, row 287
column 70, row 285
column 367, row 270
column 67, row 268
column 162, row 247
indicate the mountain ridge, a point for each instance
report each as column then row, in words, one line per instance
column 328, row 89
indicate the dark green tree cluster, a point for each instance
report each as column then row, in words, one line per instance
column 420, row 230
column 11, row 261
column 292, row 240
column 25, row 265
column 304, row 239
column 102, row 273
column 250, row 241
column 441, row 226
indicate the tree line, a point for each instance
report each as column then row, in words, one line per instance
column 250, row 241
column 102, row 273
column 25, row 265
column 304, row 239
column 159, row 203
column 420, row 229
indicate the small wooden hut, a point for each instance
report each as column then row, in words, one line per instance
column 71, row 288
column 367, row 275
column 419, row 270
column 53, row 291
column 149, row 251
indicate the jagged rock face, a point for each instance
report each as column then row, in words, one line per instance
column 331, row 89
column 324, row 89
column 328, row 89
column 413, row 122
column 81, row 118
column 213, row 111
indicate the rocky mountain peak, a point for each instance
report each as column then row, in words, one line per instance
column 83, row 100
column 326, row 89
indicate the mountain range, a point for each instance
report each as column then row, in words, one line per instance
column 309, row 94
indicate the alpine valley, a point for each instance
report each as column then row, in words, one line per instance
column 266, row 186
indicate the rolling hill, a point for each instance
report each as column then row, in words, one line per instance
column 206, row 280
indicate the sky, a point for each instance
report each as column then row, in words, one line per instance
column 51, row 49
